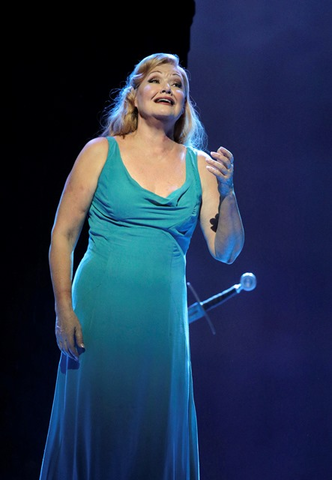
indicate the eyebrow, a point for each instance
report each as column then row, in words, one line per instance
column 175, row 74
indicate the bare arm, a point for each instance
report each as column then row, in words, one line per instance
column 220, row 217
column 70, row 216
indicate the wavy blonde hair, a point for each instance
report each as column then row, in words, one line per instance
column 121, row 117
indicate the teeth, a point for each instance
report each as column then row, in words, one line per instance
column 163, row 100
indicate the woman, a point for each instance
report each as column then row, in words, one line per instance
column 123, row 406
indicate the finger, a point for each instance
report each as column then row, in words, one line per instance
column 73, row 354
column 71, row 351
column 79, row 338
column 221, row 158
column 225, row 152
column 223, row 166
column 222, row 176
column 68, row 349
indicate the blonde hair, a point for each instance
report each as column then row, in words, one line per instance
column 121, row 118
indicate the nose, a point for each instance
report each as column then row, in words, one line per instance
column 166, row 88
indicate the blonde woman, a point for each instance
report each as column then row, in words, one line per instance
column 123, row 406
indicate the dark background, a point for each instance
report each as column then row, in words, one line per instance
column 261, row 76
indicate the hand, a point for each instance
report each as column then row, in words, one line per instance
column 68, row 332
column 222, row 167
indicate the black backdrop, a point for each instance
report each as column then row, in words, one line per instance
column 63, row 67
column 263, row 383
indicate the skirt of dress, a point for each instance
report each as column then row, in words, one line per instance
column 126, row 411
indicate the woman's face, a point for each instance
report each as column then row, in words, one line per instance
column 161, row 94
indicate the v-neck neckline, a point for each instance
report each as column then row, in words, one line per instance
column 146, row 189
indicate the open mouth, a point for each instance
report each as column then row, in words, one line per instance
column 167, row 101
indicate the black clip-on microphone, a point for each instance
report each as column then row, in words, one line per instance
column 199, row 309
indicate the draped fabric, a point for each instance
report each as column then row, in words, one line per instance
column 126, row 411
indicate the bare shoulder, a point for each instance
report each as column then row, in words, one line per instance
column 84, row 175
column 201, row 163
column 202, row 156
column 95, row 149
column 97, row 143
column 92, row 157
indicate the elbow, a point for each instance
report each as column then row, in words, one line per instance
column 228, row 255
column 227, row 259
column 62, row 243
column 231, row 259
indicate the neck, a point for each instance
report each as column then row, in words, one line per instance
column 155, row 136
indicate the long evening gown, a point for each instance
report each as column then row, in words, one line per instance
column 126, row 411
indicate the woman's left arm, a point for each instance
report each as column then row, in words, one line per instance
column 220, row 217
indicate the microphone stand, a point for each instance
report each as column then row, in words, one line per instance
column 199, row 309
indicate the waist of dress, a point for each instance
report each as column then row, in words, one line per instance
column 138, row 239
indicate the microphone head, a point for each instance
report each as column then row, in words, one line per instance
column 248, row 281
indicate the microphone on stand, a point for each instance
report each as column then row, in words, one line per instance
column 198, row 310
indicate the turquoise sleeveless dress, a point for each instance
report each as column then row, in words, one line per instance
column 126, row 411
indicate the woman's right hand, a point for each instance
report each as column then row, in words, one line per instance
column 69, row 337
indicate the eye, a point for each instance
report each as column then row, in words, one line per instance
column 153, row 80
column 177, row 84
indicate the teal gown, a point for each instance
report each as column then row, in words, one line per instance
column 126, row 411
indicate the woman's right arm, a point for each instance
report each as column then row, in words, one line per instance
column 70, row 216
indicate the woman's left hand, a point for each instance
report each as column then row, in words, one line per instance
column 222, row 167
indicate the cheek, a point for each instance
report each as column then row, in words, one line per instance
column 143, row 93
column 180, row 95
